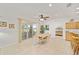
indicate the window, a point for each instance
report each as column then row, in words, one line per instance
column 34, row 26
column 44, row 29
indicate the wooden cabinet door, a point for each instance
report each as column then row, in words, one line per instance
column 77, row 25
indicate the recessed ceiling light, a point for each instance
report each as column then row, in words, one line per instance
column 77, row 8
column 50, row 5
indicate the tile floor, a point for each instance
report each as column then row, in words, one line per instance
column 54, row 46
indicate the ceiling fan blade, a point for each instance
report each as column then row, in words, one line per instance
column 46, row 17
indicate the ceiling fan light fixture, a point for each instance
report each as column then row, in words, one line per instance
column 41, row 19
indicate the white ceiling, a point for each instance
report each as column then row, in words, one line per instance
column 31, row 11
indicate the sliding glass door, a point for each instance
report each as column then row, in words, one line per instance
column 29, row 31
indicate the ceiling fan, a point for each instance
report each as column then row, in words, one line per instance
column 42, row 18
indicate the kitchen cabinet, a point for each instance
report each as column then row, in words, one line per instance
column 72, row 25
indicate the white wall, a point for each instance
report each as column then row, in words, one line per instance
column 9, row 36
